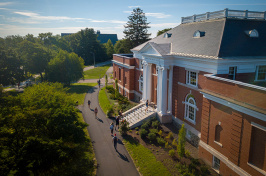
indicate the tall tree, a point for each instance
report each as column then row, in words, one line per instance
column 35, row 56
column 123, row 46
column 163, row 31
column 109, row 49
column 65, row 68
column 40, row 134
column 136, row 28
column 10, row 67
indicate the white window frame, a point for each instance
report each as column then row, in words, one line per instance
column 234, row 73
column 214, row 159
column 257, row 73
column 188, row 105
column 141, row 82
column 188, row 80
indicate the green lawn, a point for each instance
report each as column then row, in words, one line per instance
column 144, row 159
column 96, row 73
column 103, row 100
column 79, row 90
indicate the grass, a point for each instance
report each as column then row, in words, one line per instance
column 79, row 91
column 103, row 100
column 144, row 159
column 96, row 73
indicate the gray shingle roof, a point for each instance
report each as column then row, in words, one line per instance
column 223, row 38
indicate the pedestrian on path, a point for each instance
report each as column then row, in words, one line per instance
column 115, row 141
column 99, row 83
column 89, row 104
column 112, row 128
column 95, row 112
column 117, row 122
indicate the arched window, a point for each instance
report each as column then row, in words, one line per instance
column 190, row 109
column 218, row 130
column 140, row 83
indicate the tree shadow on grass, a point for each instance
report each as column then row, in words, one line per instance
column 81, row 89
column 131, row 140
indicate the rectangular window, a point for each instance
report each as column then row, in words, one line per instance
column 232, row 73
column 216, row 163
column 261, row 73
column 192, row 78
column 257, row 153
column 119, row 90
column 119, row 76
column 125, row 80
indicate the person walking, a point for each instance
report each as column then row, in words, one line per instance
column 99, row 83
column 115, row 141
column 95, row 112
column 112, row 128
column 117, row 122
column 147, row 105
column 89, row 103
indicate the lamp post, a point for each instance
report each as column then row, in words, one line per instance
column 93, row 58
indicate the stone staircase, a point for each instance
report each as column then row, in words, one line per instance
column 136, row 115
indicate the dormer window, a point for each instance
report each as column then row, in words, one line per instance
column 198, row 34
column 167, row 35
column 253, row 33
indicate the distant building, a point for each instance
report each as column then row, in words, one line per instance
column 103, row 38
column 208, row 73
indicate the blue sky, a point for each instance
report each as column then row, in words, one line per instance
column 109, row 16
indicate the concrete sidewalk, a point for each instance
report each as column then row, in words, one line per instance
column 109, row 162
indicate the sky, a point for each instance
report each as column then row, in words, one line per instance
column 22, row 17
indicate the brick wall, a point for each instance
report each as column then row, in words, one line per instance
column 235, row 136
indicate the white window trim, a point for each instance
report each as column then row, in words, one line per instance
column 257, row 72
column 187, row 74
column 187, row 104
column 213, row 162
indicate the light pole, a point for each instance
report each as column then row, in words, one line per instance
column 93, row 58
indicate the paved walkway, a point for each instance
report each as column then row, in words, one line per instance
column 109, row 162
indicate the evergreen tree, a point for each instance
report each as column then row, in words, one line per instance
column 116, row 89
column 109, row 49
column 123, row 46
column 181, row 141
column 106, row 81
column 136, row 28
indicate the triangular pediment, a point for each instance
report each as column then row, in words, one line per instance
column 149, row 49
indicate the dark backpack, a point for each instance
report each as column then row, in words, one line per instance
column 115, row 139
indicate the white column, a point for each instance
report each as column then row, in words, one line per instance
column 158, row 89
column 144, row 96
column 164, row 91
column 148, row 80
column 170, row 89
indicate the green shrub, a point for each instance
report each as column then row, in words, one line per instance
column 160, row 133
column 137, row 128
column 174, row 143
column 172, row 153
column 170, row 136
column 110, row 111
column 143, row 133
column 187, row 154
column 123, row 127
column 195, row 161
column 154, row 131
column 152, row 136
column 145, row 125
column 160, row 141
column 137, row 133
column 204, row 170
column 155, row 124
column 166, row 145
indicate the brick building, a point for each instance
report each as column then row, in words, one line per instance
column 210, row 74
